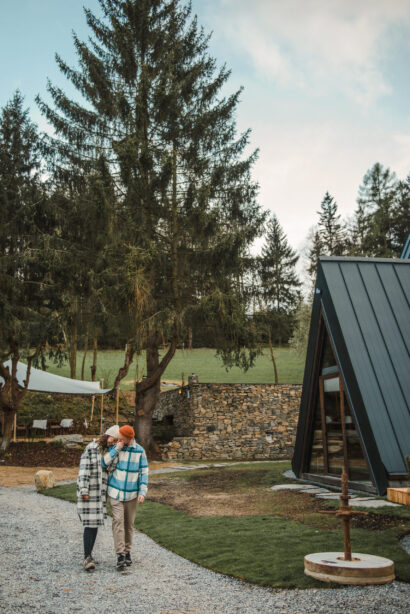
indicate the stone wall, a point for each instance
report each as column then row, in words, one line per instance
column 171, row 403
column 232, row 421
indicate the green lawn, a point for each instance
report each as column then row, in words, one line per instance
column 202, row 361
column 265, row 549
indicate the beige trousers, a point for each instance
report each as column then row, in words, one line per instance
column 123, row 516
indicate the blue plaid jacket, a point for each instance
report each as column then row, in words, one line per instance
column 130, row 477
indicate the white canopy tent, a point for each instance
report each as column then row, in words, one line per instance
column 43, row 381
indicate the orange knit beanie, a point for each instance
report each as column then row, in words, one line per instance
column 127, row 431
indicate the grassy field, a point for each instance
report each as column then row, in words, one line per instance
column 202, row 361
column 264, row 548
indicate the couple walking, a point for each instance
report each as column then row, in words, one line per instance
column 113, row 465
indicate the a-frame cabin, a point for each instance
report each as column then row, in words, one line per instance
column 356, row 387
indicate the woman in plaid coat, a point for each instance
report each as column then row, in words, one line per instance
column 92, row 491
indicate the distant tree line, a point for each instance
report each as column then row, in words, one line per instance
column 379, row 227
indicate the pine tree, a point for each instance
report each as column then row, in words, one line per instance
column 279, row 280
column 27, row 303
column 279, row 288
column 186, row 208
column 316, row 249
column 373, row 228
column 299, row 339
column 331, row 230
column 328, row 238
column 84, row 213
column 401, row 216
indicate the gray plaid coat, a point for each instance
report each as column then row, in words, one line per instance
column 92, row 481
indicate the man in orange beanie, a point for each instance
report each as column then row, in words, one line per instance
column 127, row 486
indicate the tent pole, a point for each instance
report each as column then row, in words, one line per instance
column 92, row 407
column 15, row 427
column 102, row 407
column 117, row 403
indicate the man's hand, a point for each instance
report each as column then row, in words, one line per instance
column 141, row 498
column 86, row 497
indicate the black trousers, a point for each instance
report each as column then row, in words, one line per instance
column 89, row 537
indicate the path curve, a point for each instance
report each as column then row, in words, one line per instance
column 40, row 572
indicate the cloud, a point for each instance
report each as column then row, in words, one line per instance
column 317, row 45
column 401, row 159
column 298, row 163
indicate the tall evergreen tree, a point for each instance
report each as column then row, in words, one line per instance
column 186, row 208
column 316, row 249
column 299, row 339
column 27, row 303
column 84, row 211
column 279, row 280
column 331, row 229
column 279, row 288
column 373, row 227
column 401, row 224
column 328, row 238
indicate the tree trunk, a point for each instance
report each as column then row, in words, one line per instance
column 84, row 355
column 94, row 365
column 190, row 338
column 272, row 356
column 147, row 401
column 8, row 429
column 11, row 395
column 147, row 391
column 73, row 352
column 122, row 371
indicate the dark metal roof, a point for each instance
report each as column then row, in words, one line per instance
column 406, row 249
column 366, row 305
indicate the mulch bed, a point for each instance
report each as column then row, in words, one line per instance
column 37, row 454
column 214, row 493
column 40, row 453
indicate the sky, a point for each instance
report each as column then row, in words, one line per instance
column 326, row 87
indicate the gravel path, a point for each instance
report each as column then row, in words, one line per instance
column 40, row 572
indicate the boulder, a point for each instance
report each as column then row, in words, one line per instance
column 44, row 479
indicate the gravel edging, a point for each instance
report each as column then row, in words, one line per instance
column 41, row 572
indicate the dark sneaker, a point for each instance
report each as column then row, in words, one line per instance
column 128, row 561
column 121, row 561
column 89, row 564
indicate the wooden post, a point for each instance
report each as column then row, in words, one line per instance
column 92, row 407
column 15, row 427
column 345, row 513
column 102, row 408
column 117, row 403
column 182, row 379
column 343, row 421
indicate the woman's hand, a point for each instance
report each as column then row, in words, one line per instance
column 85, row 497
column 120, row 444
